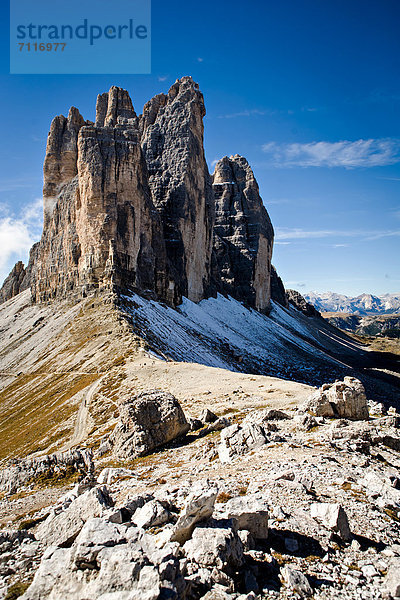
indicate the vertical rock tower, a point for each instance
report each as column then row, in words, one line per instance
column 172, row 142
column 243, row 234
column 129, row 204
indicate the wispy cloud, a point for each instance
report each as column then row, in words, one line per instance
column 271, row 112
column 162, row 78
column 347, row 154
column 247, row 113
column 200, row 60
column 17, row 234
column 16, row 184
column 287, row 233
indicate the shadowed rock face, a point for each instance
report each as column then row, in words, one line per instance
column 299, row 302
column 278, row 293
column 19, row 278
column 243, row 234
column 129, row 204
column 172, row 142
column 12, row 284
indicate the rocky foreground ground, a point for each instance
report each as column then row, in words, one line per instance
column 253, row 503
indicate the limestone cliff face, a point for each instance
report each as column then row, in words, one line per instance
column 243, row 234
column 172, row 142
column 19, row 279
column 129, row 204
column 60, row 164
column 102, row 230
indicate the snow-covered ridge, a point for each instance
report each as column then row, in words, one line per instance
column 360, row 305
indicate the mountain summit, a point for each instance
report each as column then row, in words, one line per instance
column 129, row 204
column 364, row 304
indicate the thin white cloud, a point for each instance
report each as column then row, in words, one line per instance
column 200, row 60
column 162, row 78
column 287, row 233
column 347, row 154
column 18, row 234
column 246, row 113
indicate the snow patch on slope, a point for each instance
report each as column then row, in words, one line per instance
column 221, row 332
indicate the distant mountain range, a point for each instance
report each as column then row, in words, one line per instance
column 365, row 304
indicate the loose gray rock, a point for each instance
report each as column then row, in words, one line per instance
column 342, row 399
column 296, row 581
column 199, row 506
column 62, row 528
column 149, row 420
column 207, row 416
column 216, row 546
column 392, row 579
column 237, row 440
column 332, row 516
column 250, row 513
column 151, row 514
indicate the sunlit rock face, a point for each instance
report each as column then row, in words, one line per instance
column 129, row 204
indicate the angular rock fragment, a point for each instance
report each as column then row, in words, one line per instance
column 215, row 545
column 296, row 581
column 392, row 579
column 207, row 416
column 343, row 399
column 149, row 420
column 151, row 514
column 60, row 529
column 199, row 505
column 250, row 513
column 237, row 440
column 333, row 517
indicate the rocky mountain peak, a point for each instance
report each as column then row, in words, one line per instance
column 115, row 107
column 129, row 203
column 243, row 234
column 60, row 164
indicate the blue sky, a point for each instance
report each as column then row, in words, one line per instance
column 307, row 90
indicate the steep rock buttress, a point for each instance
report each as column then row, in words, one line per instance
column 129, row 203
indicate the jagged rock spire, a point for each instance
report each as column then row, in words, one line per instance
column 129, row 203
column 172, row 142
column 243, row 234
column 114, row 107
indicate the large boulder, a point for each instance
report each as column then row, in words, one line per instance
column 343, row 399
column 147, row 421
column 216, row 544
